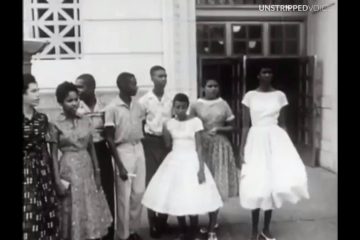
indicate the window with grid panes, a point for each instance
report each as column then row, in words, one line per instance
column 284, row 39
column 247, row 39
column 211, row 39
column 58, row 22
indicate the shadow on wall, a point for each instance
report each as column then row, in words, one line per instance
column 52, row 109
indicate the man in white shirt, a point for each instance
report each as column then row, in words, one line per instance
column 157, row 106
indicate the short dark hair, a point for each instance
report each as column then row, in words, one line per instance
column 155, row 68
column 210, row 79
column 28, row 79
column 89, row 80
column 123, row 79
column 265, row 69
column 63, row 90
column 181, row 97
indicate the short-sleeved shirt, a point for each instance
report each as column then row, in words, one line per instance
column 97, row 116
column 264, row 106
column 127, row 120
column 213, row 113
column 156, row 111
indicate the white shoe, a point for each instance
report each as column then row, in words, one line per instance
column 212, row 236
column 204, row 230
column 265, row 237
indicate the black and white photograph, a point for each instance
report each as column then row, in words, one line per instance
column 180, row 120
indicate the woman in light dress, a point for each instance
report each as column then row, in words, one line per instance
column 272, row 171
column 84, row 211
column 183, row 185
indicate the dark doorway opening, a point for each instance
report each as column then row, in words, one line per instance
column 292, row 75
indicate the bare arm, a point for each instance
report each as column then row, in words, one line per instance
column 92, row 152
column 282, row 118
column 109, row 135
column 228, row 127
column 167, row 137
column 199, row 150
column 245, row 130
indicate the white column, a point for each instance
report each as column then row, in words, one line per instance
column 180, row 45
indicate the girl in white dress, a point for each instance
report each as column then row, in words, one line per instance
column 272, row 171
column 183, row 185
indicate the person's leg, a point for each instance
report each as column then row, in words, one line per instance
column 107, row 179
column 194, row 226
column 182, row 225
column 255, row 223
column 148, row 146
column 123, row 190
column 213, row 216
column 137, row 188
column 267, row 220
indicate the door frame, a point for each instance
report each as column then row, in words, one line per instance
column 311, row 151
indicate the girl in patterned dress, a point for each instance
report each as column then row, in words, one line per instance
column 218, row 120
column 85, row 213
column 40, row 220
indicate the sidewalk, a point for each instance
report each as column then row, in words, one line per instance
column 313, row 219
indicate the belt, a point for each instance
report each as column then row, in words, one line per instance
column 152, row 135
column 135, row 142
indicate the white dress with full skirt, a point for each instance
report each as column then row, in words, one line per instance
column 273, row 171
column 175, row 189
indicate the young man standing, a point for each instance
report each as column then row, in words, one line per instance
column 156, row 105
column 123, row 128
column 94, row 109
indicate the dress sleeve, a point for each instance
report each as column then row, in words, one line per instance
column 198, row 125
column 283, row 100
column 229, row 115
column 246, row 99
column 53, row 133
column 89, row 125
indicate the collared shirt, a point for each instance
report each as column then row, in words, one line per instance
column 156, row 111
column 127, row 120
column 71, row 134
column 96, row 116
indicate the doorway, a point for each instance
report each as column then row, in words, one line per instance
column 292, row 75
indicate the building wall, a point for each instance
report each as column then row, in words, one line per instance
column 126, row 35
column 322, row 42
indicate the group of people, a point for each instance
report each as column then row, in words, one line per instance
column 168, row 154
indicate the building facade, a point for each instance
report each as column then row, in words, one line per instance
column 194, row 40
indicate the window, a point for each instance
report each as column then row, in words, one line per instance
column 58, row 22
column 211, row 39
column 247, row 39
column 284, row 39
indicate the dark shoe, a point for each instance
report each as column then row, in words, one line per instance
column 181, row 236
column 134, row 236
column 155, row 233
column 165, row 228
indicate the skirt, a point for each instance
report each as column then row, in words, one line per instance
column 273, row 171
